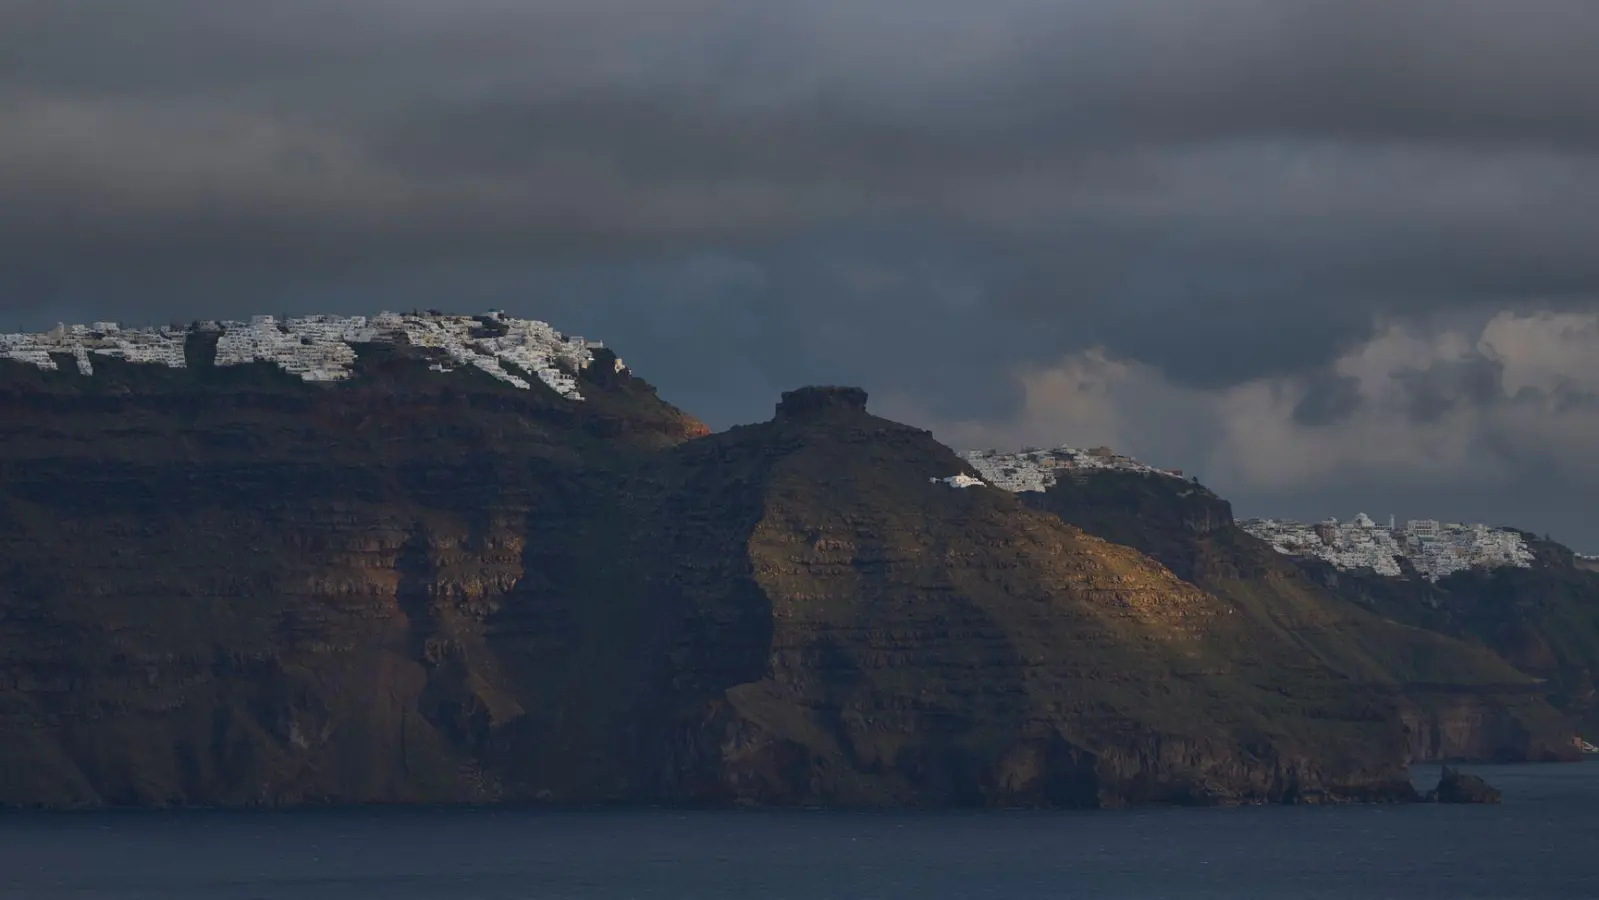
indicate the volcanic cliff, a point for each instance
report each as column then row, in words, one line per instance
column 424, row 581
column 1458, row 699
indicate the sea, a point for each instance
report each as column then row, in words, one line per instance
column 1542, row 842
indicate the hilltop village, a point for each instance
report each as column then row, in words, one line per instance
column 1433, row 549
column 321, row 348
column 1036, row 470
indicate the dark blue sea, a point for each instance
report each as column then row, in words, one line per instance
column 1543, row 842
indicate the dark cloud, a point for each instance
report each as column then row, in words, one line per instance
column 1329, row 399
column 927, row 198
column 1428, row 394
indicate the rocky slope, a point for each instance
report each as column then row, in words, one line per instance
column 1458, row 701
column 227, row 586
column 1544, row 619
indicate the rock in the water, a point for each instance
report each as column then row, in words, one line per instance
column 1455, row 786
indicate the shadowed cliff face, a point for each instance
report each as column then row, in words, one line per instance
column 227, row 587
column 1456, row 699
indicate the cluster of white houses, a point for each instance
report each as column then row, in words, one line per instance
column 160, row 346
column 316, row 348
column 320, row 348
column 1434, row 549
column 1036, row 470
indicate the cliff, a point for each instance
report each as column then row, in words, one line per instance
column 914, row 643
column 1457, row 699
column 228, row 586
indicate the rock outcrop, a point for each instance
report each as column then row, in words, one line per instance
column 813, row 403
column 1455, row 786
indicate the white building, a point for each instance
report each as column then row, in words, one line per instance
column 1034, row 469
column 1433, row 550
column 1425, row 529
column 321, row 348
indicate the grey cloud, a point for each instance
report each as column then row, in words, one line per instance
column 1166, row 70
column 1475, row 382
column 922, row 197
column 1567, row 399
column 1329, row 399
column 1429, row 394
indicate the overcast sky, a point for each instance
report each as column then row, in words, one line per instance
column 1331, row 256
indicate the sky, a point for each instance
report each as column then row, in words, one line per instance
column 1331, row 256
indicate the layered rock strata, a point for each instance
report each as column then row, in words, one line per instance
column 231, row 586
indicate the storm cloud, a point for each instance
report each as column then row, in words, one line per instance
column 1189, row 227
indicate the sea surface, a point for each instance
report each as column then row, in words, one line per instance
column 1543, row 842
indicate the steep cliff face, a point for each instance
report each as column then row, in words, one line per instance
column 1453, row 724
column 1457, row 699
column 228, row 587
column 232, row 587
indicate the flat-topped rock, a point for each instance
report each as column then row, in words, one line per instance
column 817, row 402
